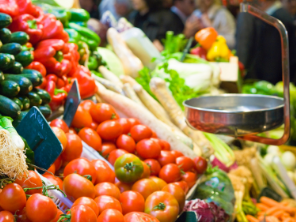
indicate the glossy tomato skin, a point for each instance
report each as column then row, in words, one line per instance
column 185, row 163
column 170, row 211
column 40, row 208
column 74, row 147
column 177, row 192
column 109, row 130
column 134, row 122
column 51, row 170
column 132, row 201
column 200, row 164
column 76, row 186
column 106, row 149
column 32, row 181
column 58, row 163
column 60, row 124
column 55, row 180
column 82, row 213
column 6, row 216
column 166, row 157
column 81, row 167
column 82, row 118
column 12, row 198
column 146, row 170
column 154, row 166
column 111, row 215
column 170, row 173
column 190, row 178
column 160, row 183
column 87, row 105
column 104, row 172
column 165, row 145
column 94, row 126
column 123, row 186
column 91, row 138
column 108, row 189
column 140, row 132
column 21, row 216
column 125, row 124
column 58, row 215
column 177, row 153
column 128, row 168
column 115, row 154
column 86, row 201
column 145, row 187
column 148, row 149
column 183, row 185
column 126, row 142
column 139, row 217
column 102, row 112
column 60, row 135
column 106, row 202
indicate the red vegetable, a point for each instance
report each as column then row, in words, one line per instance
column 9, row 7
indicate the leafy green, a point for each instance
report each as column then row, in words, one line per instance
column 173, row 43
column 144, row 79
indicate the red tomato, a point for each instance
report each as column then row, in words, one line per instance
column 177, row 192
column 105, row 202
column 51, row 169
column 166, row 157
column 148, row 149
column 115, row 154
column 12, row 198
column 139, row 217
column 165, row 145
column 6, row 216
column 81, row 167
column 57, row 217
column 55, row 180
column 125, row 124
column 86, row 201
column 183, row 185
column 109, row 130
column 146, row 170
column 58, row 163
column 159, row 182
column 123, row 186
column 40, row 208
column 177, row 153
column 91, row 138
column 76, row 186
column 154, row 135
column 126, row 142
column 82, row 118
column 131, row 201
column 154, row 166
column 60, row 124
column 104, row 172
column 71, row 130
column 170, row 173
column 140, row 132
column 102, row 112
column 111, row 215
column 21, row 216
column 134, row 122
column 82, row 213
column 145, row 187
column 87, row 105
column 185, row 163
column 32, row 181
column 190, row 178
column 108, row 189
column 74, row 147
column 94, row 126
column 200, row 164
column 61, row 136
column 106, row 149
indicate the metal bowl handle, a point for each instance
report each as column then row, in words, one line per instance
column 245, row 7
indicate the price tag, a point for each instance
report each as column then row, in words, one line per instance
column 40, row 138
column 72, row 103
column 187, row 217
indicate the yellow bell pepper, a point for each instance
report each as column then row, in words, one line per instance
column 219, row 50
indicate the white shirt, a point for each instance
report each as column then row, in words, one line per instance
column 177, row 11
column 275, row 6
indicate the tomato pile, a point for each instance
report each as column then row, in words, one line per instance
column 149, row 181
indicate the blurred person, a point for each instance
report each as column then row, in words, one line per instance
column 167, row 4
column 119, row 8
column 258, row 44
column 290, row 6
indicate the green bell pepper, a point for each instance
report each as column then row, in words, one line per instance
column 91, row 43
column 80, row 23
column 79, row 15
column 266, row 87
column 92, row 63
column 87, row 33
column 74, row 36
column 60, row 13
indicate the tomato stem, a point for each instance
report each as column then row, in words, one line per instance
column 45, row 189
column 160, row 206
column 65, row 217
column 129, row 166
column 89, row 177
column 4, row 182
column 113, row 116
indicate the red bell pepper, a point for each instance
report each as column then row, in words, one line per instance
column 52, row 28
column 27, row 23
column 37, row 66
column 58, row 97
column 9, row 7
column 27, row 7
column 199, row 51
column 50, row 53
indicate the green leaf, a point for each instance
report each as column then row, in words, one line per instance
column 144, row 80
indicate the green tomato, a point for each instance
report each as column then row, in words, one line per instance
column 128, row 168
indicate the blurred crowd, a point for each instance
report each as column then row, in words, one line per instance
column 257, row 44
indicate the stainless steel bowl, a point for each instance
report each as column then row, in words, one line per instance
column 235, row 114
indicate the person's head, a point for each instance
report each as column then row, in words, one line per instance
column 290, row 6
column 86, row 4
column 122, row 7
column 204, row 5
column 146, row 5
column 185, row 6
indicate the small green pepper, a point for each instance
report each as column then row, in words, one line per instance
column 79, row 15
column 85, row 32
column 92, row 63
column 74, row 36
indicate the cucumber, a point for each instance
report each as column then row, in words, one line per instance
column 25, row 101
column 44, row 95
column 17, row 68
column 6, row 61
column 8, row 107
column 32, row 71
column 11, row 48
column 19, row 119
column 5, row 20
column 1, row 76
column 24, row 57
column 45, row 110
column 35, row 100
column 17, row 101
column 19, row 37
column 24, row 83
column 5, row 35
column 9, row 88
column 34, row 78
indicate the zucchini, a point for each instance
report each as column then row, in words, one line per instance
column 8, row 107
column 45, row 110
column 9, row 88
column 1, row 76
column 34, row 78
column 19, row 119
column 35, row 100
column 11, row 48
column 25, row 58
column 5, row 35
column 6, row 61
column 17, row 68
column 44, row 95
column 25, row 101
column 18, row 102
column 5, row 20
column 19, row 37
column 24, row 83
